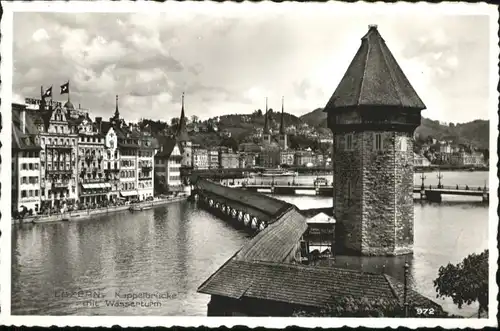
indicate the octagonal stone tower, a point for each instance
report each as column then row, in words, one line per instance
column 373, row 114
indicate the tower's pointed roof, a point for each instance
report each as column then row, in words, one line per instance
column 266, row 125
column 282, row 125
column 374, row 78
column 182, row 134
column 117, row 113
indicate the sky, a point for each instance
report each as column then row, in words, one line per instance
column 229, row 61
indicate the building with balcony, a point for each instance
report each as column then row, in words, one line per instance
column 200, row 158
column 93, row 185
column 287, row 157
column 146, row 160
column 25, row 162
column 213, row 159
column 58, row 156
column 228, row 159
column 111, row 161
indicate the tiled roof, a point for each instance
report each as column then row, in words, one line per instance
column 374, row 78
column 168, row 146
column 298, row 284
column 270, row 206
column 26, row 140
column 277, row 241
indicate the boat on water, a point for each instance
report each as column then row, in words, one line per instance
column 140, row 207
column 277, row 173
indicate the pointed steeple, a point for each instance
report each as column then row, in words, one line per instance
column 117, row 113
column 374, row 79
column 266, row 128
column 182, row 134
column 282, row 125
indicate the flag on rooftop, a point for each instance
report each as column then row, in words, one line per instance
column 48, row 93
column 65, row 88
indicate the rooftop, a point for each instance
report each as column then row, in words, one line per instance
column 374, row 79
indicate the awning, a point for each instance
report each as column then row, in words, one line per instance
column 86, row 186
column 128, row 193
column 95, row 185
column 106, row 185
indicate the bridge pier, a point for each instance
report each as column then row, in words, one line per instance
column 486, row 197
column 246, row 219
column 433, row 196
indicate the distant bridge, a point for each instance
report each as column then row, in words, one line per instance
column 324, row 190
column 434, row 192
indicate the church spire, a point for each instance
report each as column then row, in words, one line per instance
column 117, row 113
column 282, row 126
column 182, row 134
column 266, row 129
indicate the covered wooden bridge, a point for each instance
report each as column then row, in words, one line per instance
column 250, row 209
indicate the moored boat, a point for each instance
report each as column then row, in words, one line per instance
column 277, row 173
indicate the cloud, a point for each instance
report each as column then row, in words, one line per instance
column 231, row 60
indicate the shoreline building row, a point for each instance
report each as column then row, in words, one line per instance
column 62, row 159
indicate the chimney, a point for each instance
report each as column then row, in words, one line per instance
column 23, row 120
column 98, row 120
column 79, row 107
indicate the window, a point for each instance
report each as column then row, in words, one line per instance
column 377, row 140
column 349, row 189
column 23, row 194
column 36, row 193
column 348, row 142
column 404, row 145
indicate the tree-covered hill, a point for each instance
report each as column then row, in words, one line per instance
column 475, row 133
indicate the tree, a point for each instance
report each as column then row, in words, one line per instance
column 174, row 121
column 194, row 119
column 465, row 282
column 259, row 112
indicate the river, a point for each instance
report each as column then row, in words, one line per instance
column 164, row 254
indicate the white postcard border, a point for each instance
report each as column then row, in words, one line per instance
column 178, row 8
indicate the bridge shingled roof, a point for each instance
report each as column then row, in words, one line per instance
column 270, row 206
column 312, row 286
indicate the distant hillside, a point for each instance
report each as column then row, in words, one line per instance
column 316, row 118
column 476, row 132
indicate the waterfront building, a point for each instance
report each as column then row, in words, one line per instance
column 247, row 160
column 213, row 159
column 183, row 139
column 463, row 158
column 270, row 157
column 25, row 162
column 420, row 161
column 92, row 184
column 58, row 157
column 373, row 114
column 168, row 160
column 228, row 159
column 303, row 158
column 128, row 150
column 287, row 157
column 200, row 158
column 111, row 162
column 145, row 163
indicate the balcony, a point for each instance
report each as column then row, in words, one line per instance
column 60, row 147
column 59, row 172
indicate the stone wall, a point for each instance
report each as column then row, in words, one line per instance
column 377, row 218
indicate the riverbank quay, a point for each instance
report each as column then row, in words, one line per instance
column 92, row 213
column 271, row 274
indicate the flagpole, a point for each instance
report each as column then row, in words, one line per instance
column 68, row 90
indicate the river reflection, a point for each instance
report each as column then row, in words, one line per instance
column 169, row 251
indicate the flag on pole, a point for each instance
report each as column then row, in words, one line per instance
column 65, row 88
column 48, row 93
